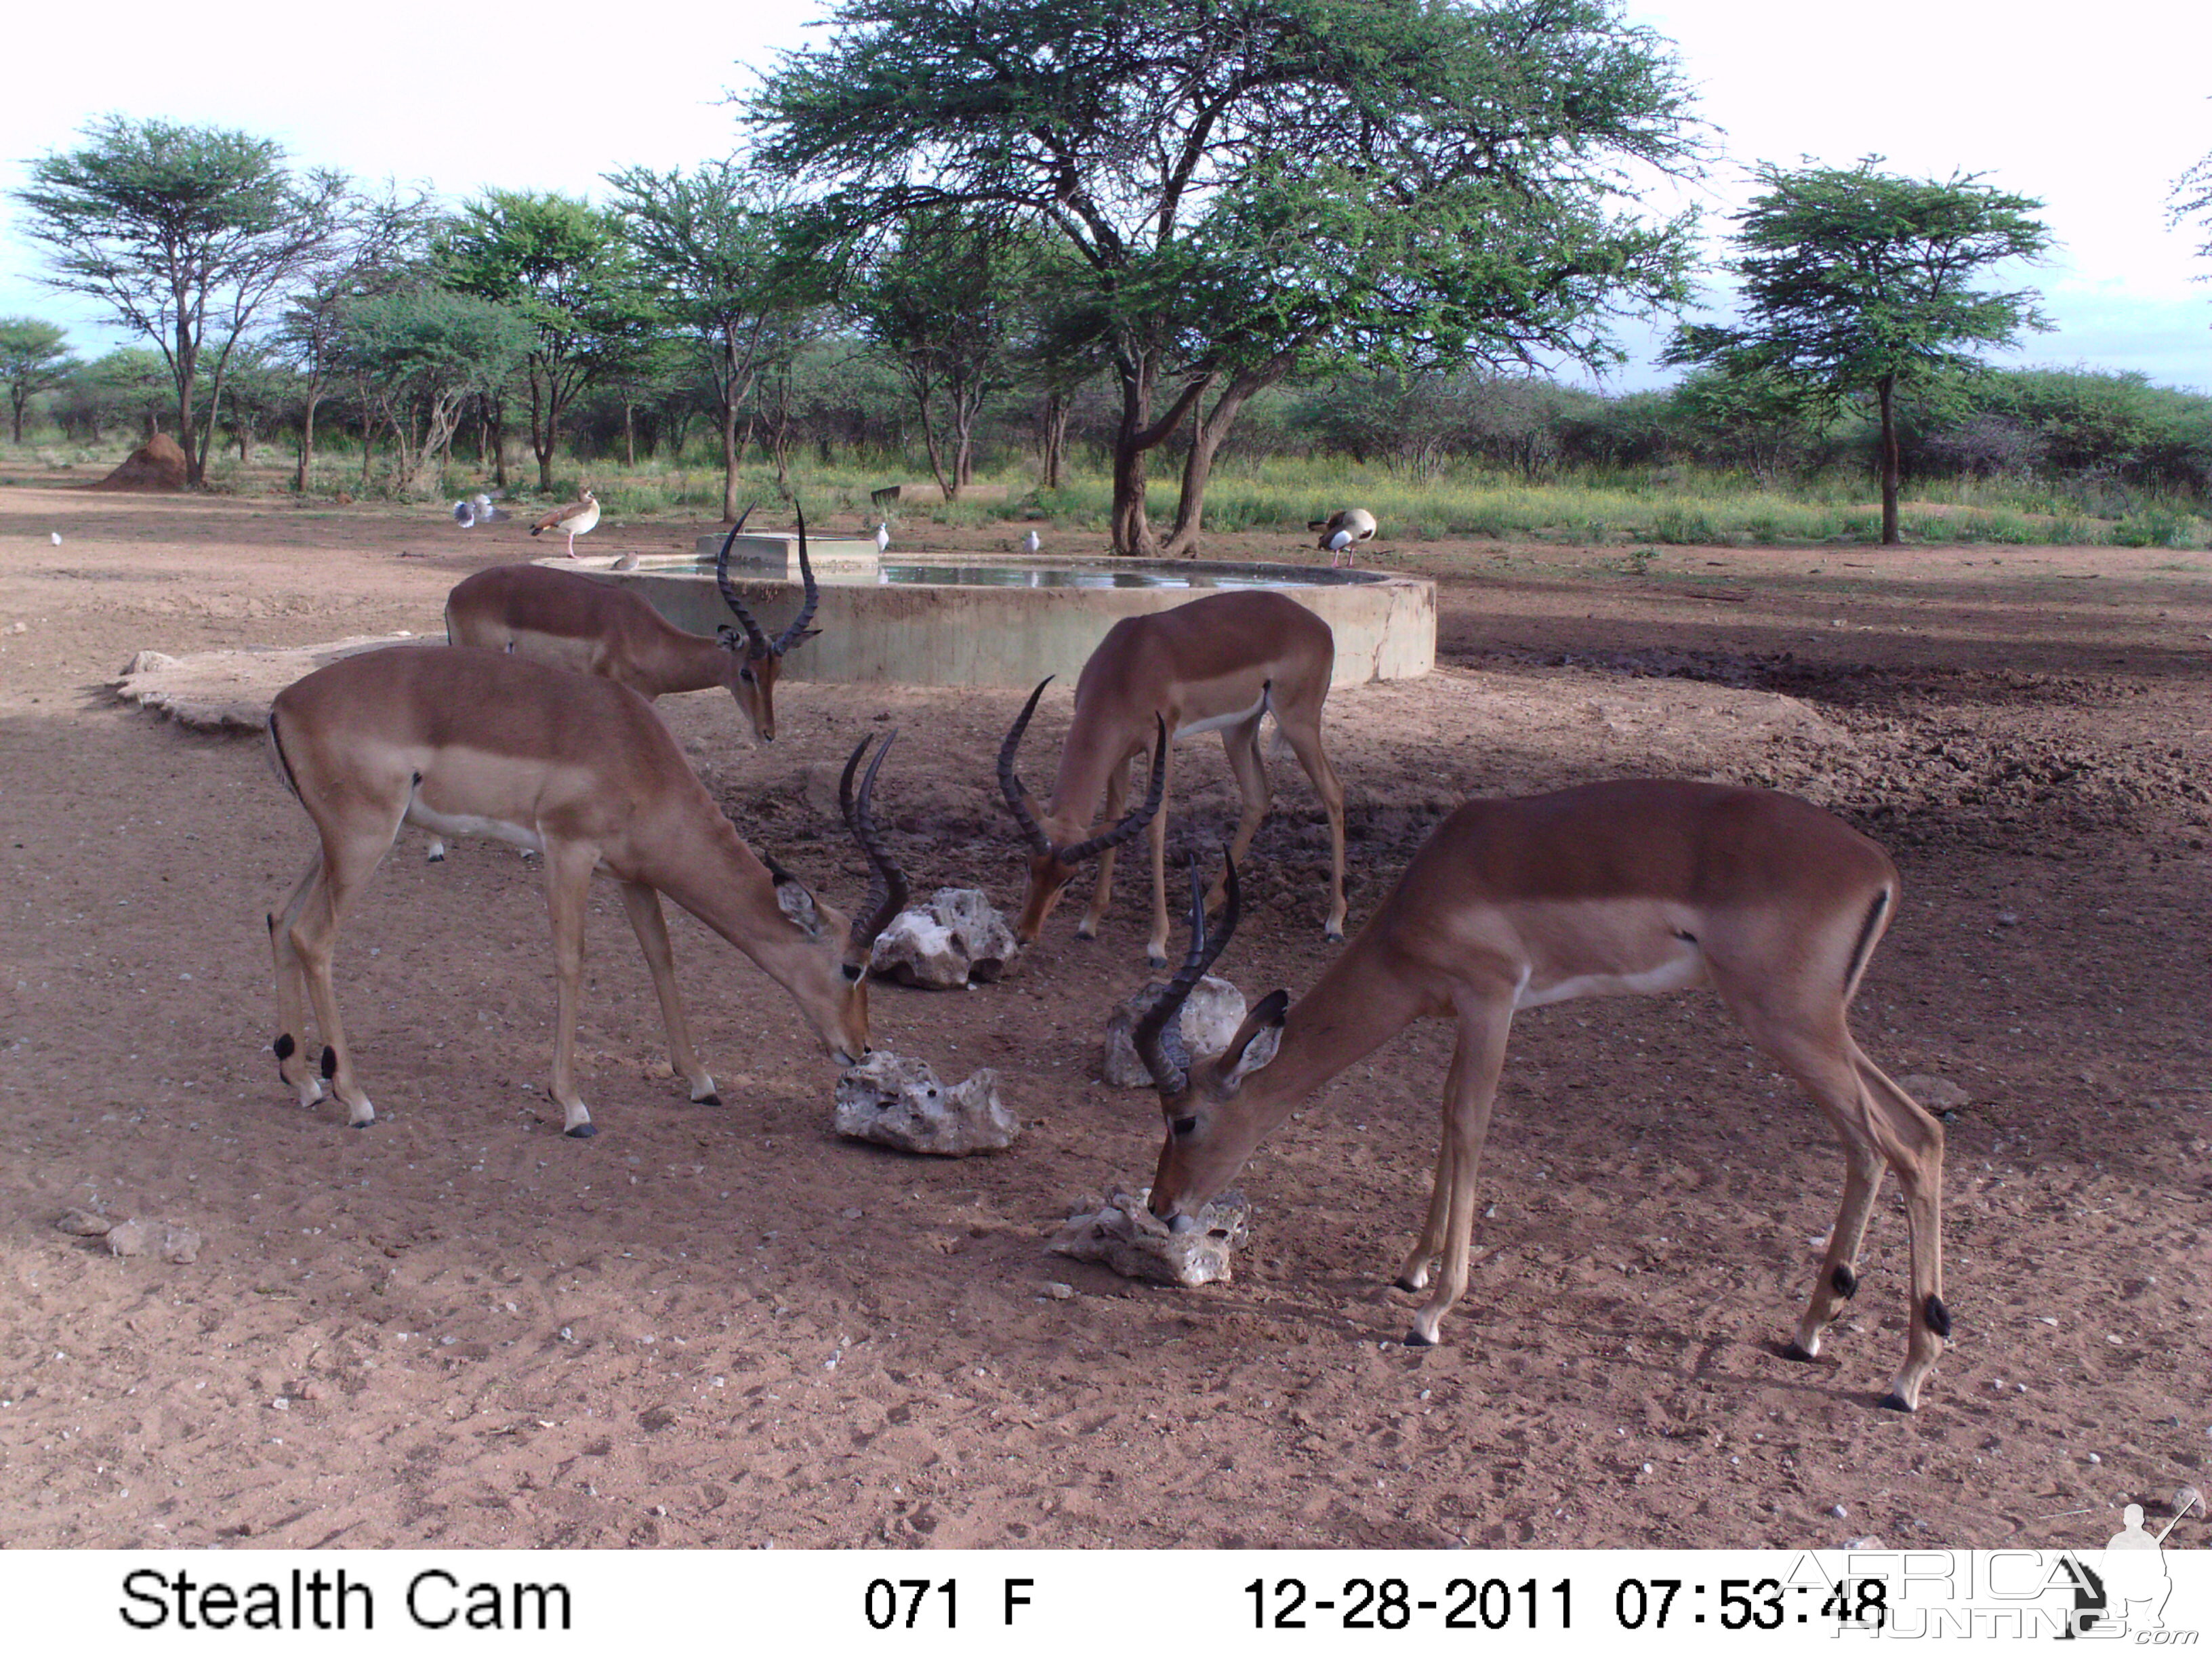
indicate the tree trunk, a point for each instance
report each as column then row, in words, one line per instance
column 1134, row 440
column 630, row 435
column 1206, row 440
column 1892, row 467
column 1055, row 436
column 308, row 436
column 730, row 450
column 18, row 398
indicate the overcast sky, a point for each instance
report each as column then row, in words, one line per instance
column 2096, row 110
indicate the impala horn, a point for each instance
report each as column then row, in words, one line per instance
column 887, row 887
column 798, row 633
column 1158, row 1035
column 1018, row 797
column 757, row 643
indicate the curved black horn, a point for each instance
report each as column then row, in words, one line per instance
column 792, row 635
column 1017, row 798
column 887, row 886
column 1138, row 816
column 1158, row 1035
column 756, row 642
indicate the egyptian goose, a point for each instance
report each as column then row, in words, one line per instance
column 572, row 521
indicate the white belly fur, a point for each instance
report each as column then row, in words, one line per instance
column 1680, row 973
column 1235, row 717
column 464, row 823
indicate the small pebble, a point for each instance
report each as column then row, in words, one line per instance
column 2093, row 1458
column 2007, row 918
column 1056, row 1291
column 1838, row 1512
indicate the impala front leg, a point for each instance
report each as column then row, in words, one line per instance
column 1102, row 884
column 1484, row 1019
column 1155, row 948
column 647, row 921
column 1414, row 1271
column 567, row 888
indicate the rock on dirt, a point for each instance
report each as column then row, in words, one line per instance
column 83, row 1224
column 957, row 939
column 1128, row 1237
column 899, row 1102
column 1937, row 1094
column 1208, row 1020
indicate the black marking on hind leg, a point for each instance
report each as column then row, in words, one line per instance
column 1938, row 1317
column 330, row 1062
column 284, row 1046
column 1845, row 1281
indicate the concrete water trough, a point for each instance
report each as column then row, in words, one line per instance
column 1007, row 620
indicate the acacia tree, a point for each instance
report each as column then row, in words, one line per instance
column 716, row 246
column 33, row 359
column 564, row 265
column 422, row 354
column 1858, row 283
column 1253, row 186
column 185, row 233
column 2192, row 199
column 945, row 304
column 376, row 244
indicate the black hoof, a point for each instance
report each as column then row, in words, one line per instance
column 710, row 1098
column 371, row 1124
column 582, row 1132
column 1152, row 960
column 1332, row 936
column 1404, row 1284
column 1415, row 1339
column 1796, row 1350
column 1894, row 1402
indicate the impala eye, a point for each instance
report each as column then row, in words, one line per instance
column 746, row 675
column 853, row 972
column 1184, row 1126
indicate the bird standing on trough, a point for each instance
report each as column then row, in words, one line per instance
column 1031, row 542
column 572, row 521
column 882, row 537
column 1340, row 529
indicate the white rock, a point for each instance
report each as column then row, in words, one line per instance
column 1210, row 1019
column 83, row 1224
column 179, row 1245
column 1128, row 1238
column 145, row 662
column 127, row 1239
column 957, row 939
column 900, row 1103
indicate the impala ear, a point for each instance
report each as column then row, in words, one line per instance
column 1256, row 1039
column 728, row 638
column 794, row 901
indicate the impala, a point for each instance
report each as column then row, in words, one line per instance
column 1630, row 887
column 596, row 627
column 1217, row 663
column 580, row 769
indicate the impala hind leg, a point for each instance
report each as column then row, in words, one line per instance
column 1242, row 745
column 1102, row 883
column 1472, row 1090
column 1156, row 835
column 1879, row 1124
column 291, row 1041
column 1301, row 729
column 567, row 891
column 1912, row 1141
column 651, row 926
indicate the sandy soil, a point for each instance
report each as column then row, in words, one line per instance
column 722, row 1326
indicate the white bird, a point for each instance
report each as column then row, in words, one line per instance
column 485, row 511
column 57, row 536
column 464, row 514
column 572, row 521
column 1031, row 542
column 882, row 537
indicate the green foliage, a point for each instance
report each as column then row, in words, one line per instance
column 34, row 357
column 1253, row 185
column 176, row 230
column 1858, row 283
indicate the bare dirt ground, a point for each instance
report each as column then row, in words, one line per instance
column 723, row 1326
